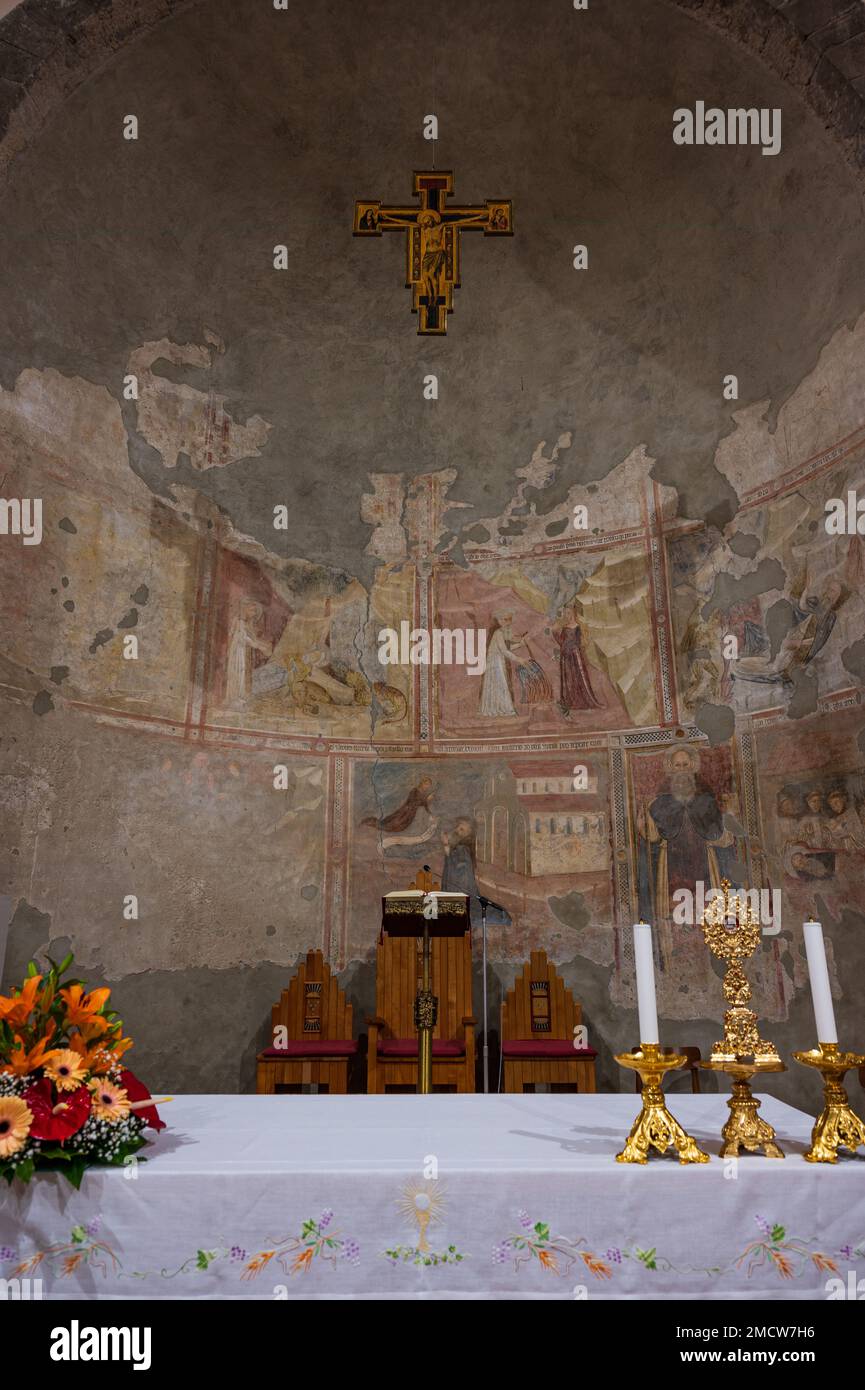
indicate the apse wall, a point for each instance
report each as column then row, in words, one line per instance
column 193, row 809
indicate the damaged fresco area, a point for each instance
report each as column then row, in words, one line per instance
column 256, row 668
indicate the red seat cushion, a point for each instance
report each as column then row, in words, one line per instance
column 546, row 1047
column 407, row 1047
column 312, row 1047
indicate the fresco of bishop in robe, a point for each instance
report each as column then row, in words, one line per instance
column 681, row 831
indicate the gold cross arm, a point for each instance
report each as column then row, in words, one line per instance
column 433, row 228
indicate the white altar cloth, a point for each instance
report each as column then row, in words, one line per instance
column 442, row 1196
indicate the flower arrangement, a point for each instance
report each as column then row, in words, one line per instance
column 66, row 1101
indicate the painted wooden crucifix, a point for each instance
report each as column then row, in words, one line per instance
column 433, row 240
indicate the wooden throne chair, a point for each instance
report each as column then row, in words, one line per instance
column 311, row 1027
column 538, row 1020
column 392, row 1056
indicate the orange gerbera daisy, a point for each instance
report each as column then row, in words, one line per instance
column 15, row 1121
column 21, row 1061
column 16, row 1008
column 80, row 1007
column 65, row 1069
column 110, row 1102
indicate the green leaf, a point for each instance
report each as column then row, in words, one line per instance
column 25, row 1169
column 778, row 1233
column 65, row 964
column 55, row 1152
column 75, row 1169
column 31, row 969
column 79, row 1235
column 204, row 1258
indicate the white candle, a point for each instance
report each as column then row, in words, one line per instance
column 821, row 993
column 645, row 964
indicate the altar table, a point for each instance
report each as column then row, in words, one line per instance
column 441, row 1196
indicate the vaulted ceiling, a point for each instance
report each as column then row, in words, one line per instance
column 48, row 47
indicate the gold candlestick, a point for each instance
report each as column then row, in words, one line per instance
column 655, row 1127
column 732, row 932
column 837, row 1126
column 745, row 1129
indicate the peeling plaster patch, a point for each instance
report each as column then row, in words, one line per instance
column 556, row 528
column 178, row 419
column 729, row 591
column 779, row 620
column 703, row 490
column 43, row 703
column 717, row 722
column 104, row 635
column 742, row 543
column 58, row 674
column 270, row 930
column 141, row 595
column 66, row 525
column 804, row 698
column 129, row 619
column 853, row 658
column 69, row 605
column 65, row 581
column 309, row 891
column 571, row 910
column 29, row 932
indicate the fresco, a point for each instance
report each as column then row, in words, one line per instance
column 566, row 645
column 510, row 828
column 813, row 806
column 688, row 826
column 602, row 651
column 811, row 610
column 300, row 656
column 113, row 560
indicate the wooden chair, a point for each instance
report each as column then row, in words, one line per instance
column 538, row 1020
column 692, row 1065
column 392, row 1052
column 311, row 1029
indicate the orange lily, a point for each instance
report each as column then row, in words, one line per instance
column 101, row 1055
column 16, row 1008
column 21, row 1061
column 80, row 1007
column 94, row 1028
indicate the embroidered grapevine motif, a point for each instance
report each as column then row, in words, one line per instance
column 788, row 1256
column 66, row 1257
column 554, row 1253
column 295, row 1254
column 412, row 1254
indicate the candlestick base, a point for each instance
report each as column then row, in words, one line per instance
column 745, row 1129
column 655, row 1127
column 837, row 1126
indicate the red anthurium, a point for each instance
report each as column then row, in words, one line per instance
column 137, row 1091
column 56, row 1117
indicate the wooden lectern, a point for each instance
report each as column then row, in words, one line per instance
column 424, row 911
